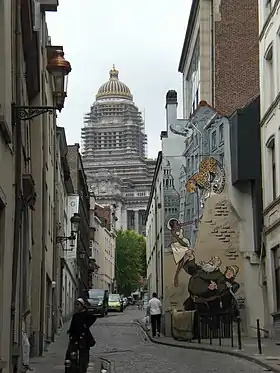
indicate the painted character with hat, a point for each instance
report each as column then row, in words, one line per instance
column 230, row 274
column 229, row 300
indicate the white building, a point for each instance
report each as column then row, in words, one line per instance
column 69, row 270
column 155, row 233
column 64, row 271
column 269, row 18
column 164, row 202
column 114, row 154
column 103, row 246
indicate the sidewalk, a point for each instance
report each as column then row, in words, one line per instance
column 53, row 359
column 269, row 359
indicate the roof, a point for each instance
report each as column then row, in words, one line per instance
column 188, row 36
column 158, row 164
column 114, row 87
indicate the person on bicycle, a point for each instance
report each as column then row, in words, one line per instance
column 80, row 334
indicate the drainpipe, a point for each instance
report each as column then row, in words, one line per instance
column 18, row 186
column 156, row 234
column 56, row 247
column 212, row 53
column 44, row 225
column 162, row 278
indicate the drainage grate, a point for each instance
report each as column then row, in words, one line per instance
column 114, row 351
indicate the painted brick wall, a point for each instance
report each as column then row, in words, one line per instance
column 104, row 212
column 218, row 235
column 236, row 54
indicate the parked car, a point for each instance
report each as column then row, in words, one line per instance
column 97, row 301
column 115, row 303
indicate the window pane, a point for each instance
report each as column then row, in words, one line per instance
column 277, row 287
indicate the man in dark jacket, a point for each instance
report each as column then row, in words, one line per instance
column 80, row 334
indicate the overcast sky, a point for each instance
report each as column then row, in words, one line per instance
column 143, row 39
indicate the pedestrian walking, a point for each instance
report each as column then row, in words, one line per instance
column 25, row 345
column 80, row 334
column 140, row 304
column 155, row 311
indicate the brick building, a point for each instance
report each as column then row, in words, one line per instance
column 220, row 55
column 219, row 66
column 104, row 214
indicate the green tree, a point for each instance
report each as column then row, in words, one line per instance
column 130, row 260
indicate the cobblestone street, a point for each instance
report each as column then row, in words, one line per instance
column 127, row 348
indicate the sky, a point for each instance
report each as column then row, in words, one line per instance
column 144, row 39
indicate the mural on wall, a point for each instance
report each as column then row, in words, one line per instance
column 210, row 289
column 171, row 196
column 180, row 245
column 209, row 179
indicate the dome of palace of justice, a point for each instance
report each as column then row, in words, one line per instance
column 114, row 88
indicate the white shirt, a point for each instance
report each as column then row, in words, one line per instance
column 155, row 306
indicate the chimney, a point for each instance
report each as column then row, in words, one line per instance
column 171, row 109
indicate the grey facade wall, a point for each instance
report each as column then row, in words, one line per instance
column 79, row 180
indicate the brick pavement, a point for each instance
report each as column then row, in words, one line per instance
column 269, row 359
column 126, row 346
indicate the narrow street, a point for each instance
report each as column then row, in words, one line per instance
column 126, row 347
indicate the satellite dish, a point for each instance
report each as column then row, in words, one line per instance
column 180, row 130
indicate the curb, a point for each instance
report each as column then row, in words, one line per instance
column 224, row 351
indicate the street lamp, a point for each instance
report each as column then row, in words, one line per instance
column 75, row 226
column 59, row 69
column 75, row 223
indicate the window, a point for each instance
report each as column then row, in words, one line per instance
column 2, row 248
column 196, row 98
column 196, row 161
column 268, row 7
column 276, row 252
column 214, row 140
column 270, row 74
column 221, row 133
column 272, row 166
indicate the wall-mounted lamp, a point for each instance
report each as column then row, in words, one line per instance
column 59, row 69
column 75, row 227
